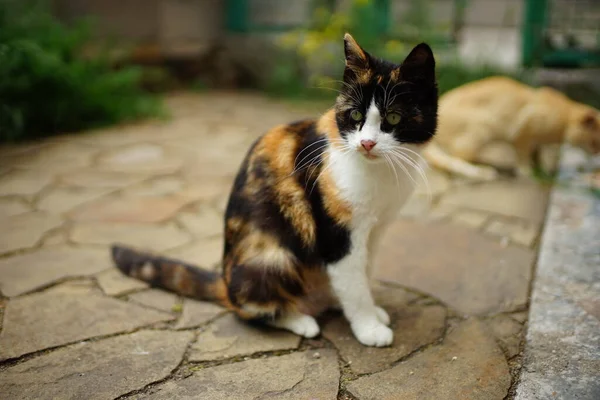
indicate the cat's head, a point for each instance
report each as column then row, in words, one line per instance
column 384, row 106
column 584, row 129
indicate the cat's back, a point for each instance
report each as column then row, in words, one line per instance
column 488, row 93
column 486, row 107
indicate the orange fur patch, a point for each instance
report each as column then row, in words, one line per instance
column 363, row 76
column 327, row 125
column 278, row 149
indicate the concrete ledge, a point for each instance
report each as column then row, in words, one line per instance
column 562, row 350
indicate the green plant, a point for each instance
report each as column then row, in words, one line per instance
column 47, row 86
column 317, row 46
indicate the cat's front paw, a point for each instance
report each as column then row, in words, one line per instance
column 301, row 324
column 306, row 326
column 382, row 316
column 373, row 333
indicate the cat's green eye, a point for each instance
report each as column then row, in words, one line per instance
column 356, row 115
column 393, row 118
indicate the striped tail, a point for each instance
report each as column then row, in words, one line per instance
column 170, row 274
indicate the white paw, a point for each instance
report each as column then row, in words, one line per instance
column 300, row 324
column 373, row 333
column 382, row 316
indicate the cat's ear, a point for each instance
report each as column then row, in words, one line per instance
column 419, row 65
column 357, row 60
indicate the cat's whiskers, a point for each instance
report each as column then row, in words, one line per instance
column 323, row 143
column 344, row 146
column 390, row 166
column 385, row 93
column 346, row 149
column 406, row 157
column 357, row 97
column 399, row 161
column 397, row 94
column 309, row 162
column 416, row 154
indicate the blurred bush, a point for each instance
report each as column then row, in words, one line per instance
column 312, row 57
column 47, row 86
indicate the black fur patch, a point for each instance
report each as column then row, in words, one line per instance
column 409, row 89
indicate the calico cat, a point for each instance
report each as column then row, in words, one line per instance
column 311, row 199
column 502, row 109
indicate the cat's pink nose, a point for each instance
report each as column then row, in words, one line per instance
column 368, row 144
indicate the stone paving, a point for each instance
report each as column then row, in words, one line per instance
column 454, row 273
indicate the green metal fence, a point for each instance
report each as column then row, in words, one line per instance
column 561, row 33
column 240, row 18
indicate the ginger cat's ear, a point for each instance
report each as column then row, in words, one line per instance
column 356, row 57
column 419, row 65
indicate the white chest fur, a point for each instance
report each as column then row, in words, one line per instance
column 376, row 190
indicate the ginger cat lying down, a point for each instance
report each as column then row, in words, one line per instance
column 501, row 109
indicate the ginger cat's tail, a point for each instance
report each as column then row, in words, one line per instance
column 438, row 158
column 173, row 275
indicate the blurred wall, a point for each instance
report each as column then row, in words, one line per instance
column 177, row 28
column 491, row 30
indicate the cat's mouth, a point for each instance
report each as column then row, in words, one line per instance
column 367, row 154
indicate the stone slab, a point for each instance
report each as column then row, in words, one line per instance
column 518, row 232
column 133, row 209
column 468, row 365
column 54, row 238
column 297, row 376
column 155, row 298
column 417, row 206
column 472, row 273
column 157, row 187
column 521, row 199
column 57, row 157
column 508, row 333
column 469, row 218
column 204, row 223
column 26, row 272
column 44, row 320
column 91, row 178
column 26, row 230
column 10, row 207
column 23, row 183
column 413, row 326
column 152, row 237
column 230, row 337
column 196, row 313
column 562, row 349
column 140, row 158
column 206, row 253
column 104, row 369
column 114, row 283
column 61, row 200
